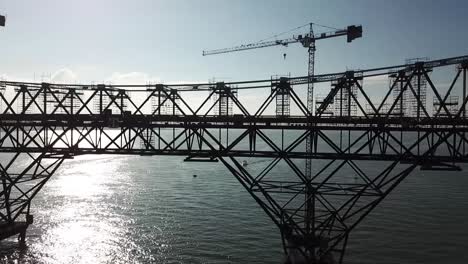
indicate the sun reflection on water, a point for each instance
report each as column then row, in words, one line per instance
column 86, row 229
column 123, row 209
column 87, row 178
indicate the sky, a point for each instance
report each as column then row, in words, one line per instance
column 162, row 41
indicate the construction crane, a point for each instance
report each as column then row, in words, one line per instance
column 308, row 41
column 352, row 32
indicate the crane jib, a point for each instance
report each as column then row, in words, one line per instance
column 351, row 32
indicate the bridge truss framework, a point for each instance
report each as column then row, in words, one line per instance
column 358, row 156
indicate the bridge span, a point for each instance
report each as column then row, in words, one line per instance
column 369, row 131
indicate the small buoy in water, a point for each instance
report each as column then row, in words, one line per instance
column 194, row 175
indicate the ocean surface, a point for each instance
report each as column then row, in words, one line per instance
column 132, row 209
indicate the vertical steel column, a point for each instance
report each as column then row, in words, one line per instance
column 121, row 92
column 402, row 77
column 173, row 97
column 100, row 88
column 465, row 66
column 159, row 88
column 403, row 89
column 23, row 97
column 71, row 91
column 45, row 86
column 309, row 190
column 464, row 89
column 348, row 84
column 72, row 94
column 419, row 71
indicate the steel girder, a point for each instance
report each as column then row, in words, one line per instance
column 358, row 159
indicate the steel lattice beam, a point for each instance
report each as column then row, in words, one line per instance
column 359, row 155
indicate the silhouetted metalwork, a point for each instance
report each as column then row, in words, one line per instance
column 307, row 41
column 360, row 151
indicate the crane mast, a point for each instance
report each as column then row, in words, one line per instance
column 310, row 199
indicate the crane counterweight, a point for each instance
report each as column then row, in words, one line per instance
column 354, row 32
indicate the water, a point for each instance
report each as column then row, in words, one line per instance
column 130, row 209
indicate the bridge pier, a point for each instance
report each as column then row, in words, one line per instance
column 19, row 228
column 22, row 176
column 304, row 250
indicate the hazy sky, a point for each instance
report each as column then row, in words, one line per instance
column 138, row 40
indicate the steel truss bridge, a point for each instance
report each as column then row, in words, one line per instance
column 362, row 146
